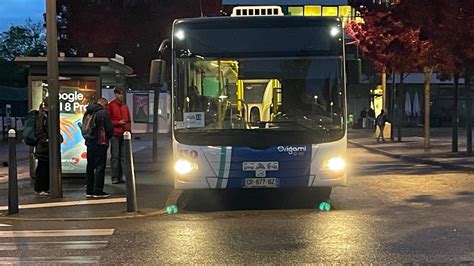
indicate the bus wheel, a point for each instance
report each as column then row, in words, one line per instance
column 323, row 193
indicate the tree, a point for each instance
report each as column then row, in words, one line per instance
column 431, row 58
column 389, row 44
column 448, row 25
column 23, row 40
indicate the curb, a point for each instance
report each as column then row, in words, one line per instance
column 413, row 159
column 131, row 215
column 171, row 200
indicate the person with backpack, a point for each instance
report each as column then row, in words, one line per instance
column 97, row 130
column 120, row 116
column 30, row 128
column 41, row 138
column 381, row 120
column 371, row 115
column 41, row 141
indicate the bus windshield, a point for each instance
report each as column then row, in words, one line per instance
column 258, row 100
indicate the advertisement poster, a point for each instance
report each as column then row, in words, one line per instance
column 140, row 108
column 74, row 96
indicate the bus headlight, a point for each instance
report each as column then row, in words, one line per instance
column 335, row 164
column 183, row 167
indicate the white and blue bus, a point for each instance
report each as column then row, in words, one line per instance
column 258, row 102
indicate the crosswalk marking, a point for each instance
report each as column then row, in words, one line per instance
column 67, row 203
column 29, row 242
column 51, row 260
column 54, row 245
column 53, row 233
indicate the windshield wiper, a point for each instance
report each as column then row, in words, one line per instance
column 188, row 54
column 293, row 122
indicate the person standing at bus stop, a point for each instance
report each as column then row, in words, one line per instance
column 42, row 150
column 97, row 143
column 120, row 116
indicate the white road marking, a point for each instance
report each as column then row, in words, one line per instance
column 5, row 225
column 51, row 260
column 68, row 203
column 54, row 245
column 57, row 233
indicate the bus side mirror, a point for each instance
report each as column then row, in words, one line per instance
column 157, row 71
column 353, row 70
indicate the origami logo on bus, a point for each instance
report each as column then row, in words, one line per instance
column 292, row 150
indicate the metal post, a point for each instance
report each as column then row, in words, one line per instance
column 130, row 173
column 3, row 128
column 12, row 174
column 53, row 92
column 155, row 123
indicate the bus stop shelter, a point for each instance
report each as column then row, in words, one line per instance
column 81, row 79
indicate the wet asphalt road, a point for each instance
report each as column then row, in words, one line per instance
column 390, row 212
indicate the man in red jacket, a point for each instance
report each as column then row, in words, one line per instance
column 120, row 116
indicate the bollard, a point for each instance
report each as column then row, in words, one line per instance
column 130, row 173
column 12, row 174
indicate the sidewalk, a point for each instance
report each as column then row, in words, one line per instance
column 153, row 183
column 412, row 147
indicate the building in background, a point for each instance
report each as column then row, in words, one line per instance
column 331, row 8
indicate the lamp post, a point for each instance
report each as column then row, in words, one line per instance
column 53, row 92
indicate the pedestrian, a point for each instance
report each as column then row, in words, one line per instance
column 97, row 143
column 363, row 117
column 371, row 114
column 42, row 151
column 120, row 116
column 363, row 112
column 381, row 120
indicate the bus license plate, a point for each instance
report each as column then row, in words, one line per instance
column 269, row 182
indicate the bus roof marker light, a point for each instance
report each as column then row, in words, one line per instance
column 334, row 31
column 250, row 11
column 179, row 34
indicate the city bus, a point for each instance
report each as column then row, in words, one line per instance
column 258, row 102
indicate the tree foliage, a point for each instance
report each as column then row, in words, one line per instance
column 23, row 40
column 386, row 40
column 448, row 26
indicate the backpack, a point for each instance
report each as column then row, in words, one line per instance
column 30, row 128
column 381, row 120
column 88, row 126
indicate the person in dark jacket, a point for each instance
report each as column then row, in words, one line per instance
column 42, row 151
column 97, row 149
column 381, row 120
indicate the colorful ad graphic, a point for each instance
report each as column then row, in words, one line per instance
column 74, row 96
column 140, row 108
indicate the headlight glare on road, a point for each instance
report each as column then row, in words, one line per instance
column 335, row 164
column 183, row 167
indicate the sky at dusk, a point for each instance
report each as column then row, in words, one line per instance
column 17, row 11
